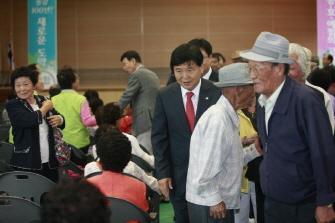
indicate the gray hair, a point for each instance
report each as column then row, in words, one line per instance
column 309, row 57
column 302, row 60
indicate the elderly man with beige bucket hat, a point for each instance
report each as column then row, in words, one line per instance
column 297, row 173
column 216, row 155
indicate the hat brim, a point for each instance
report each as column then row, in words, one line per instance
column 233, row 83
column 236, row 57
column 250, row 55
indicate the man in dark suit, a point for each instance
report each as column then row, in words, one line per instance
column 178, row 108
column 206, row 50
column 141, row 92
column 327, row 60
column 208, row 72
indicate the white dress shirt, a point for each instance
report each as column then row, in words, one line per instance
column 217, row 158
column 206, row 76
column 135, row 149
column 269, row 103
column 328, row 103
column 195, row 97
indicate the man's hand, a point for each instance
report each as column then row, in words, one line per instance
column 251, row 138
column 218, row 211
column 248, row 140
column 324, row 214
column 164, row 185
column 258, row 146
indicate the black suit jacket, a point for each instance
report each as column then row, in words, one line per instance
column 214, row 76
column 171, row 134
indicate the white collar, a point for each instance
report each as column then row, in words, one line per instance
column 206, row 76
column 196, row 90
column 262, row 100
column 139, row 67
column 68, row 90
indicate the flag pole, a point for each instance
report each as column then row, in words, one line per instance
column 10, row 53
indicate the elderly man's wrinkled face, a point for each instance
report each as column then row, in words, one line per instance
column 246, row 96
column 295, row 70
column 266, row 78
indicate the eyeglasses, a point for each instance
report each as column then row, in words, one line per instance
column 254, row 69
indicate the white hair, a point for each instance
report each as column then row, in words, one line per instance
column 302, row 60
column 309, row 58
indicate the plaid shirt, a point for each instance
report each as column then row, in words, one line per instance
column 217, row 158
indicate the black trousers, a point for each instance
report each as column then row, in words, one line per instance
column 179, row 204
column 278, row 212
column 201, row 214
column 260, row 197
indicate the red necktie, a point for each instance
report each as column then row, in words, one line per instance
column 190, row 111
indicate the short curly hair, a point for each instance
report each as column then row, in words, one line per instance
column 111, row 114
column 75, row 200
column 103, row 128
column 114, row 150
column 23, row 72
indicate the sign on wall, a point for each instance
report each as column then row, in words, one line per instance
column 42, row 38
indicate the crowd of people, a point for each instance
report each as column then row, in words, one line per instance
column 253, row 139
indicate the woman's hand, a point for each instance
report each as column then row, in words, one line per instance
column 55, row 120
column 47, row 104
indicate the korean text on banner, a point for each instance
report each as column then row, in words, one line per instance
column 42, row 38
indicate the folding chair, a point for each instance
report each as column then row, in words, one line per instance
column 144, row 149
column 63, row 171
column 27, row 185
column 123, row 211
column 4, row 167
column 141, row 163
column 4, row 131
column 87, row 158
column 93, row 174
column 6, row 150
column 18, row 210
column 152, row 196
